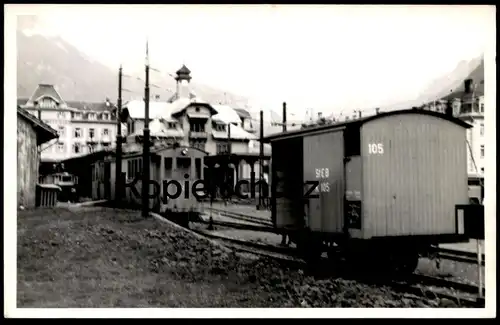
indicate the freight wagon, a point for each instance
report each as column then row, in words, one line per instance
column 384, row 187
column 167, row 163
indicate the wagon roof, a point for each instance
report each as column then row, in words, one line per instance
column 360, row 121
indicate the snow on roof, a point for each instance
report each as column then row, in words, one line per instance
column 136, row 109
column 226, row 114
column 158, row 129
column 237, row 133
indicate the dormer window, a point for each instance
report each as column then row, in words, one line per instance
column 219, row 127
column 171, row 125
column 197, row 109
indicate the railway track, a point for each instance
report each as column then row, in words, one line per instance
column 424, row 286
column 243, row 217
column 442, row 253
column 458, row 255
column 240, row 226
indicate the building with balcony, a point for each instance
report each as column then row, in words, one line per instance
column 82, row 127
column 220, row 130
column 467, row 104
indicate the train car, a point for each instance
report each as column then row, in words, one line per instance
column 181, row 164
column 384, row 187
column 66, row 181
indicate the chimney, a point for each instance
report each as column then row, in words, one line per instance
column 377, row 110
column 468, row 85
column 157, row 97
column 320, row 115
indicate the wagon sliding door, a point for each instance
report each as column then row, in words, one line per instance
column 324, row 163
column 286, row 184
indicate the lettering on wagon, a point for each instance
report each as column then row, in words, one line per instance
column 324, row 185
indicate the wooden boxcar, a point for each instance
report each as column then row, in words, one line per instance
column 386, row 184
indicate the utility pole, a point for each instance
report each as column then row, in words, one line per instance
column 145, row 150
column 284, row 116
column 118, row 175
column 228, row 160
column 261, row 156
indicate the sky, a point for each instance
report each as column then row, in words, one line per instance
column 330, row 58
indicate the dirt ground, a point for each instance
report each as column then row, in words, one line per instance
column 101, row 257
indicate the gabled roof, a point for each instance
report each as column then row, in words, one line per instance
column 45, row 90
column 243, row 113
column 182, row 104
column 91, row 106
column 225, row 114
column 136, row 109
column 44, row 132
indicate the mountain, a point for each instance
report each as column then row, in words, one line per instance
column 52, row 60
column 454, row 80
column 451, row 82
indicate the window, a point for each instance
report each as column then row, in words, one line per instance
column 91, row 133
column 91, row 147
column 197, row 167
column 105, row 132
column 482, row 107
column 77, row 148
column 198, row 144
column 481, row 129
column 78, row 133
column 60, row 131
column 482, row 169
column 183, row 163
column 61, row 147
column 134, row 168
column 219, row 127
column 197, row 126
column 222, row 148
column 171, row 125
column 105, row 116
column 61, row 114
column 482, row 151
column 91, row 116
column 168, row 167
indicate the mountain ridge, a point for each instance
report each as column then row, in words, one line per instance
column 78, row 77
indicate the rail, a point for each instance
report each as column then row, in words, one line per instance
column 423, row 286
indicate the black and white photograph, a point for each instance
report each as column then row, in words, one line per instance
column 250, row 161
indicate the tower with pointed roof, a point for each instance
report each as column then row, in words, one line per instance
column 183, row 78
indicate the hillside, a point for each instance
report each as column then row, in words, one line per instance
column 52, row 60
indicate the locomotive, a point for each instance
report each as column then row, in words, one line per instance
column 382, row 190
